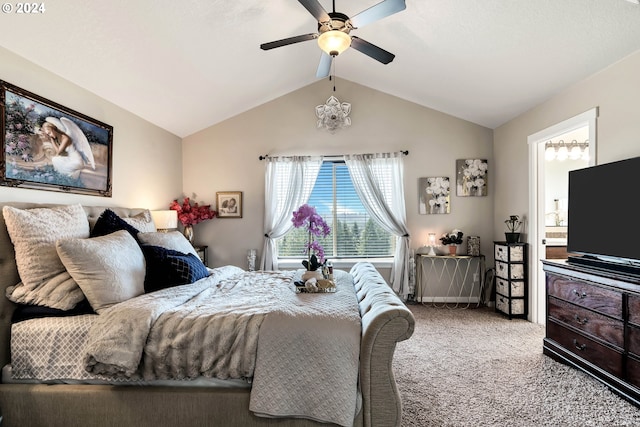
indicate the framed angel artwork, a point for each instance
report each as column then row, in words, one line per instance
column 434, row 195
column 47, row 146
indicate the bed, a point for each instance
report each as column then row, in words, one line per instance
column 382, row 318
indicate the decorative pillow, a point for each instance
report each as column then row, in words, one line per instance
column 171, row 240
column 109, row 269
column 34, row 233
column 109, row 222
column 166, row 268
column 27, row 312
column 142, row 222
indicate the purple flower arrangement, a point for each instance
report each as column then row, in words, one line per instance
column 307, row 217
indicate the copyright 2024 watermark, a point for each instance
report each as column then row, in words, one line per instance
column 24, row 8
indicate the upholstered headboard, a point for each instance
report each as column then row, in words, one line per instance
column 9, row 273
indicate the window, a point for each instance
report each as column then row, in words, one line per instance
column 353, row 233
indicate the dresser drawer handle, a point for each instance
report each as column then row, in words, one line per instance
column 581, row 321
column 580, row 295
column 580, row 347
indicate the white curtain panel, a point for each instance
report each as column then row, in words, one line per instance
column 288, row 184
column 378, row 181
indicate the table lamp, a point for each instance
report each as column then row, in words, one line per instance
column 432, row 244
column 165, row 220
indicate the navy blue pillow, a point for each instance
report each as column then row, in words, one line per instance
column 26, row 312
column 109, row 222
column 167, row 268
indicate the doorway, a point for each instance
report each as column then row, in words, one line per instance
column 543, row 208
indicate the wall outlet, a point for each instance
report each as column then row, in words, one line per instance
column 476, row 277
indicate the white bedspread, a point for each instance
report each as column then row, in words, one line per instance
column 302, row 350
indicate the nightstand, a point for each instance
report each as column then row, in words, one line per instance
column 201, row 250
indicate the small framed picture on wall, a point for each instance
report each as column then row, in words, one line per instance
column 229, row 204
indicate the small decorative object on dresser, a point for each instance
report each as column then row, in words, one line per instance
column 511, row 278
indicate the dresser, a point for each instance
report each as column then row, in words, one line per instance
column 593, row 323
column 511, row 278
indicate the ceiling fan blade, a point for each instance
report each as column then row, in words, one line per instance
column 288, row 41
column 378, row 11
column 371, row 50
column 324, row 67
column 316, row 9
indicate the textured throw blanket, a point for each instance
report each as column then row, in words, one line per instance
column 301, row 350
column 308, row 357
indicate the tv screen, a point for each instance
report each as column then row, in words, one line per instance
column 604, row 221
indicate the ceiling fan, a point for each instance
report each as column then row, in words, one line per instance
column 334, row 28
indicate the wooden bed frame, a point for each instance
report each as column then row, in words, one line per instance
column 385, row 321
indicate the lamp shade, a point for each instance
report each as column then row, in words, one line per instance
column 334, row 42
column 165, row 220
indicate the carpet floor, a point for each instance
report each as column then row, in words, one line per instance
column 474, row 367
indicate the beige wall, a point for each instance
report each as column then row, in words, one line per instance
column 615, row 91
column 147, row 171
column 224, row 157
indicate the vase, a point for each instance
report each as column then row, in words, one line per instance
column 311, row 274
column 453, row 249
column 188, row 232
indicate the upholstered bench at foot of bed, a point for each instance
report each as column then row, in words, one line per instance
column 385, row 322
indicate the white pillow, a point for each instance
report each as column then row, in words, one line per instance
column 109, row 269
column 171, row 240
column 142, row 222
column 34, row 233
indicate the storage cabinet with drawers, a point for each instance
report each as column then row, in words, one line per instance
column 511, row 278
column 593, row 323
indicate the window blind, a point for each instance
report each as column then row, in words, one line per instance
column 353, row 233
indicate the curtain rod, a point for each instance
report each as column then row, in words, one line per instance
column 405, row 152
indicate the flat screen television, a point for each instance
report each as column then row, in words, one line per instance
column 604, row 219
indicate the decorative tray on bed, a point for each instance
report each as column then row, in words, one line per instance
column 323, row 286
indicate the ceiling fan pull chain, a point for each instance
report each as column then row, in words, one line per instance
column 333, row 65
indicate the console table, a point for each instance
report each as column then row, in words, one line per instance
column 458, row 278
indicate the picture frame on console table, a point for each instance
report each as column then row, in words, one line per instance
column 229, row 204
column 47, row 146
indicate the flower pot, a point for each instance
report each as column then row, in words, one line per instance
column 512, row 237
column 311, row 274
column 453, row 249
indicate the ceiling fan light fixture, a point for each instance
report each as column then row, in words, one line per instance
column 334, row 42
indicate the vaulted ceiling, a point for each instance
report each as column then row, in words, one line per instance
column 187, row 65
